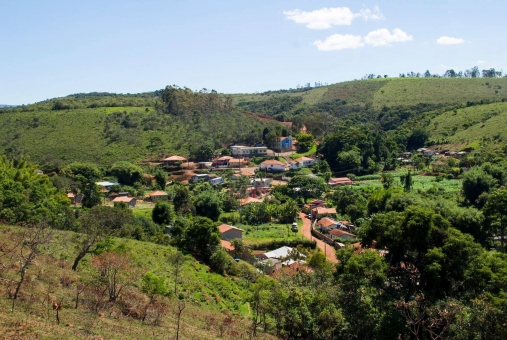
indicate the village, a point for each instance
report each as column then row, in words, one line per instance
column 313, row 225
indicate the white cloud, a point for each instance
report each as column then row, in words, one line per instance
column 382, row 37
column 333, row 16
column 339, row 42
column 481, row 62
column 449, row 41
column 368, row 14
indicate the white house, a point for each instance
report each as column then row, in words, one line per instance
column 261, row 183
column 249, row 151
column 273, row 166
column 302, row 162
column 216, row 181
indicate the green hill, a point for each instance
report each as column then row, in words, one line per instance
column 50, row 277
column 475, row 126
column 105, row 129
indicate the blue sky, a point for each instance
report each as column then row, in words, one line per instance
column 54, row 48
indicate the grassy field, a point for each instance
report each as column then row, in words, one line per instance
column 209, row 297
column 269, row 232
column 471, row 124
column 422, row 183
column 412, row 91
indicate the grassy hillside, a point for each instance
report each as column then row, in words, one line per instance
column 209, row 296
column 412, row 91
column 472, row 125
column 104, row 135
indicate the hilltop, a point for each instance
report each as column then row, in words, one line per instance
column 108, row 127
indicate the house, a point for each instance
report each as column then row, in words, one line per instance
column 326, row 224
column 106, row 184
column 261, row 183
column 307, row 208
column 204, row 165
column 429, row 152
column 157, row 196
column 199, row 177
column 340, row 181
column 302, row 162
column 337, row 233
column 284, row 254
column 216, row 181
column 285, row 142
column 174, row 160
column 236, row 162
column 249, row 151
column 221, row 161
column 320, row 212
column 131, row 201
column 248, row 200
column 273, row 166
column 270, row 265
column 229, row 232
column 280, row 253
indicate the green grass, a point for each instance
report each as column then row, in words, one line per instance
column 79, row 134
column 470, row 125
column 412, row 91
column 422, row 183
column 209, row 295
column 269, row 232
column 310, row 152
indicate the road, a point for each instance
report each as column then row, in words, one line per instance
column 326, row 248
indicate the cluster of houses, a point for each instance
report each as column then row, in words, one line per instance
column 271, row 261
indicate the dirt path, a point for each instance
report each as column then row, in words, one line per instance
column 326, row 248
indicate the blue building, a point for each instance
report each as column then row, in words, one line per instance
column 286, row 142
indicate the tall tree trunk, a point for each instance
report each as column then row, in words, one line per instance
column 79, row 257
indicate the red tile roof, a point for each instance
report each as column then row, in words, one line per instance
column 157, row 193
column 227, row 245
column 244, row 201
column 324, row 211
column 174, row 159
column 326, row 222
column 340, row 181
column 123, row 199
column 225, row 228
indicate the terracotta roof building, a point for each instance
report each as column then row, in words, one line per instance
column 229, row 232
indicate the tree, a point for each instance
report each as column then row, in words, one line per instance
column 177, row 260
column 162, row 213
column 349, row 160
column 87, row 170
column 305, row 141
column 90, row 191
column 417, row 139
column 306, row 187
column 387, row 180
column 161, row 178
column 202, row 237
column 126, row 172
column 182, row 203
column 407, row 181
column 203, row 151
column 476, row 182
column 209, row 204
column 153, row 285
column 96, row 225
column 495, row 211
column 29, row 246
column 220, row 261
column 115, row 271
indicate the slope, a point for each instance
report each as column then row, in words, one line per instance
column 210, row 297
column 104, row 135
column 475, row 125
